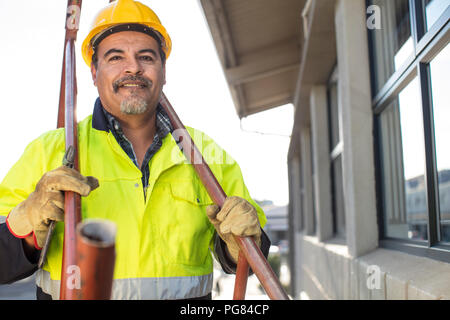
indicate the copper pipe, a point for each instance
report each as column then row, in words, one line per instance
column 62, row 96
column 240, row 286
column 72, row 201
column 248, row 247
column 96, row 257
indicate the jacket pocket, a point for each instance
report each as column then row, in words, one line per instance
column 190, row 192
column 186, row 228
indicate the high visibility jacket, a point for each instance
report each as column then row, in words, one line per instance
column 163, row 239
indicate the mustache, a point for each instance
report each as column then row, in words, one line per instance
column 119, row 82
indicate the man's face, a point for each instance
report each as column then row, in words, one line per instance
column 129, row 74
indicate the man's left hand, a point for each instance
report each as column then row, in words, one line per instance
column 236, row 218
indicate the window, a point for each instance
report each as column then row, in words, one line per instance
column 313, row 189
column 411, row 106
column 338, row 197
column 392, row 45
column 336, row 147
column 301, row 211
column 439, row 71
column 296, row 218
column 296, row 191
column 403, row 163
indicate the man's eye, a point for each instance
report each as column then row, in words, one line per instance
column 146, row 58
column 115, row 58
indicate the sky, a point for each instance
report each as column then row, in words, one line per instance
column 32, row 39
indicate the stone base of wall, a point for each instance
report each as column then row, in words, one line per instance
column 327, row 271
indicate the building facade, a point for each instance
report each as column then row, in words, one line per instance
column 369, row 170
column 368, row 166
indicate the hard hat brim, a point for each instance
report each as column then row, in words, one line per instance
column 95, row 34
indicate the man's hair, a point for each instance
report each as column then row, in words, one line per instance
column 127, row 27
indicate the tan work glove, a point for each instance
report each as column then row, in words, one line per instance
column 46, row 203
column 237, row 217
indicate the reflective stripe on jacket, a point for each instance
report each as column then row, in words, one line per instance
column 164, row 240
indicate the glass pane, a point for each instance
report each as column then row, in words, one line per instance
column 338, row 198
column 313, row 179
column 392, row 43
column 403, row 163
column 334, row 114
column 433, row 10
column 440, row 69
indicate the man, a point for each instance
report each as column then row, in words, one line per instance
column 167, row 224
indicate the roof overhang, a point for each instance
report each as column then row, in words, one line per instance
column 259, row 46
column 318, row 59
column 318, row 56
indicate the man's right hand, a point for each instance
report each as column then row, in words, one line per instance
column 46, row 203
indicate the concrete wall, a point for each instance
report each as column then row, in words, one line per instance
column 354, row 98
column 329, row 272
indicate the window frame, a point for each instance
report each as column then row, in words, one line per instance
column 335, row 151
column 427, row 44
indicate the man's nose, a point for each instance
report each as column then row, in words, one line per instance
column 133, row 66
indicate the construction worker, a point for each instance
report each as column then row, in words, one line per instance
column 132, row 173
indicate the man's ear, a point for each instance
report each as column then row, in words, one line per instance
column 94, row 74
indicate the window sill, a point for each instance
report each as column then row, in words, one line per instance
column 440, row 252
column 331, row 273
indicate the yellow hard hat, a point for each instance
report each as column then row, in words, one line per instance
column 124, row 13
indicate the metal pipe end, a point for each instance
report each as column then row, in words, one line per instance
column 97, row 232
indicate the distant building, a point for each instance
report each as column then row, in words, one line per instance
column 277, row 223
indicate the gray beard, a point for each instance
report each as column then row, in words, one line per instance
column 133, row 105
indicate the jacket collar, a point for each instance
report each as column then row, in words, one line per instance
column 99, row 120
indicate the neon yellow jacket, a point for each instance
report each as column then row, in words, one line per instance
column 163, row 241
